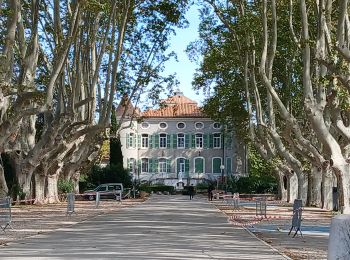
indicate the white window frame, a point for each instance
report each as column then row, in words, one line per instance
column 142, row 170
column 131, row 165
column 166, row 125
column 183, row 163
column 199, row 140
column 194, row 164
column 215, row 140
column 178, row 138
column 162, row 163
column 217, row 127
column 143, row 138
column 212, row 165
column 143, row 126
column 131, row 140
column 195, row 125
column 177, row 125
column 164, row 139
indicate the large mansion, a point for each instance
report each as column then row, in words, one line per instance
column 177, row 144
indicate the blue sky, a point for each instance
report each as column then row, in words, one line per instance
column 184, row 68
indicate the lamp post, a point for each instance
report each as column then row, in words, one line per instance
column 222, row 168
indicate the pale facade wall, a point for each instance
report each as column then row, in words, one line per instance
column 233, row 151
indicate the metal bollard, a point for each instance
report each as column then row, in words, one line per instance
column 70, row 204
column 97, row 199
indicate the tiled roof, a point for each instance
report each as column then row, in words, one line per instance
column 177, row 110
column 176, row 106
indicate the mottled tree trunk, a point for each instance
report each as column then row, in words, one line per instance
column 315, row 180
column 282, row 185
column 292, row 189
column 52, row 191
column 302, row 187
column 327, row 189
column 40, row 189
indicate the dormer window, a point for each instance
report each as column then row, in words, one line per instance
column 216, row 125
column 144, row 125
column 163, row 125
column 181, row 125
column 199, row 125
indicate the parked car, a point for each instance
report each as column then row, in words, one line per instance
column 106, row 190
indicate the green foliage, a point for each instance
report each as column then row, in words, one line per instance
column 202, row 186
column 260, row 179
column 115, row 155
column 156, row 188
column 113, row 173
column 65, row 186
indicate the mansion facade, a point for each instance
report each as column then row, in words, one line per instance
column 177, row 144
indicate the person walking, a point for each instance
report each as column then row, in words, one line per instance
column 210, row 192
column 191, row 191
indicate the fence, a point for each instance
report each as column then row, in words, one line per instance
column 260, row 206
column 5, row 213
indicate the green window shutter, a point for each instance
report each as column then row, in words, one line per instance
column 205, row 140
column 211, row 141
column 127, row 141
column 134, row 141
column 168, row 165
column 156, row 141
column 198, row 164
column 139, row 140
column 187, row 141
column 128, row 163
column 187, row 167
column 155, row 165
column 150, row 165
column 216, row 165
column 228, row 167
column 193, row 141
column 150, row 141
column 174, row 141
column 177, row 165
column 168, row 141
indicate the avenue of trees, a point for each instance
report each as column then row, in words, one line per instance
column 62, row 66
column 278, row 73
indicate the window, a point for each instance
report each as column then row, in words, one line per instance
column 162, row 165
column 181, row 165
column 181, row 125
column 216, row 165
column 199, row 125
column 199, row 165
column 102, row 188
column 216, row 125
column 217, row 140
column 163, row 125
column 144, row 164
column 144, row 125
column 180, row 140
column 199, row 140
column 144, row 140
column 131, row 142
column 162, row 141
column 131, row 165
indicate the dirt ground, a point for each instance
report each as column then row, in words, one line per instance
column 275, row 227
column 29, row 220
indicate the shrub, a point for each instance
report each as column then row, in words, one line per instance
column 156, row 188
column 65, row 186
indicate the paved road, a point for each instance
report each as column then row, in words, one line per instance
column 165, row 227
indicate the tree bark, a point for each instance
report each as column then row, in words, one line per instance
column 292, row 187
column 327, row 189
column 52, row 191
column 39, row 189
column 315, row 180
